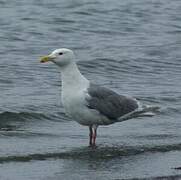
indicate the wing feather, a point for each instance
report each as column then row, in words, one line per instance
column 109, row 103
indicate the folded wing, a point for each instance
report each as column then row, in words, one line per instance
column 109, row 103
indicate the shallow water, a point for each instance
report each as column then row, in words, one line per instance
column 132, row 47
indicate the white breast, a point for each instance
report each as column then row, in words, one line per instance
column 74, row 92
column 75, row 107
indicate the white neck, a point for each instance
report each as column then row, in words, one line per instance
column 71, row 77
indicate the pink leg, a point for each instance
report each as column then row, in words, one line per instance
column 90, row 135
column 94, row 136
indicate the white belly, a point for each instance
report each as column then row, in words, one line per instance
column 75, row 107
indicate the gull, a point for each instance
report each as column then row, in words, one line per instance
column 90, row 104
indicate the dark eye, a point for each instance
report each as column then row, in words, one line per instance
column 60, row 53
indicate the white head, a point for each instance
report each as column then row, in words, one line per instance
column 60, row 57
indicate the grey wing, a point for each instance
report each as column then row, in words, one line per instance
column 109, row 103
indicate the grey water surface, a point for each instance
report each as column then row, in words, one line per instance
column 130, row 46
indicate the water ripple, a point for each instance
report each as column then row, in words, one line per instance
column 99, row 153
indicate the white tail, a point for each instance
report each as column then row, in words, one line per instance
column 147, row 111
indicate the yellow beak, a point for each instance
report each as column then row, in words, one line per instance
column 45, row 59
